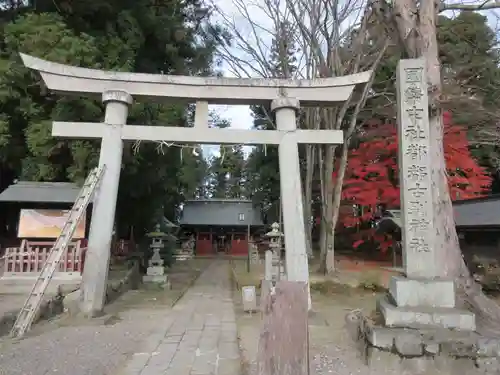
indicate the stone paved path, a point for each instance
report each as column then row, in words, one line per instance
column 198, row 337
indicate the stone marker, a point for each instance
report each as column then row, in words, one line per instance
column 118, row 88
column 414, row 167
column 421, row 298
column 249, row 298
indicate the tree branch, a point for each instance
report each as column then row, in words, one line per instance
column 485, row 5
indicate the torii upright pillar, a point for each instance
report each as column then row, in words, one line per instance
column 291, row 190
column 93, row 289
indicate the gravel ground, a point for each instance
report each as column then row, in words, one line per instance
column 332, row 350
column 72, row 346
column 93, row 349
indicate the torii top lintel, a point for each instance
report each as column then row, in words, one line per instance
column 215, row 90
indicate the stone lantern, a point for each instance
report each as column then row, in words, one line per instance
column 156, row 271
column 274, row 269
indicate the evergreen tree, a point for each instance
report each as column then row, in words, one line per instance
column 193, row 173
column 169, row 37
column 235, row 161
column 227, row 168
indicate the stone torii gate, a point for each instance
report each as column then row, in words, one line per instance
column 118, row 89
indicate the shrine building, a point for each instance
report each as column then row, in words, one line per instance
column 477, row 222
column 32, row 215
column 221, row 226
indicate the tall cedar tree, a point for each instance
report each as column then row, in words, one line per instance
column 169, row 37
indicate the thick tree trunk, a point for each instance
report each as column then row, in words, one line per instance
column 337, row 198
column 310, row 157
column 327, row 232
column 448, row 252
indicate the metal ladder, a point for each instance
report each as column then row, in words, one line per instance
column 32, row 304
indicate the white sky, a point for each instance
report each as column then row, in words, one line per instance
column 240, row 116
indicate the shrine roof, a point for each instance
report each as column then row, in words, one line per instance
column 478, row 212
column 220, row 212
column 40, row 192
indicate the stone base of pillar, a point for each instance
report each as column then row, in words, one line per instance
column 157, row 279
column 417, row 329
column 423, row 351
column 413, row 292
column 423, row 303
column 425, row 317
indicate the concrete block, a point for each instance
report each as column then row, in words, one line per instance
column 465, row 348
column 408, row 344
column 413, row 292
column 425, row 317
column 157, row 279
column 381, row 337
column 431, row 348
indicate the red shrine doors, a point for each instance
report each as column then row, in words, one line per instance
column 204, row 244
column 209, row 243
column 239, row 244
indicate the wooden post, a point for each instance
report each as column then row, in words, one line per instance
column 248, row 248
column 284, row 336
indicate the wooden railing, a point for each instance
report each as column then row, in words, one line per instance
column 27, row 260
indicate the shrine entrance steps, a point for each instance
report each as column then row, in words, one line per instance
column 198, row 336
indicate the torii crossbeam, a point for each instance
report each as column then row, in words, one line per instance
column 117, row 90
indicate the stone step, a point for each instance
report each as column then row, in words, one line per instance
column 425, row 317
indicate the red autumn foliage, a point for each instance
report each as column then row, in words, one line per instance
column 371, row 180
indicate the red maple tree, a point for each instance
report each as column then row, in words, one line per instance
column 371, row 183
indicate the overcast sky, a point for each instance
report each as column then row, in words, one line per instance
column 240, row 116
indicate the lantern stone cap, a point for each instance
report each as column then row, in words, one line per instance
column 275, row 231
column 157, row 232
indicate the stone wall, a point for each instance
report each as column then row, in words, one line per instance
column 423, row 352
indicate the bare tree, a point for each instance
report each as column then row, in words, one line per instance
column 413, row 24
column 333, row 41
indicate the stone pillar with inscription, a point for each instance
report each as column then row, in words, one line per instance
column 421, row 298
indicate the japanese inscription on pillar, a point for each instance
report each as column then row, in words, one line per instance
column 414, row 169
